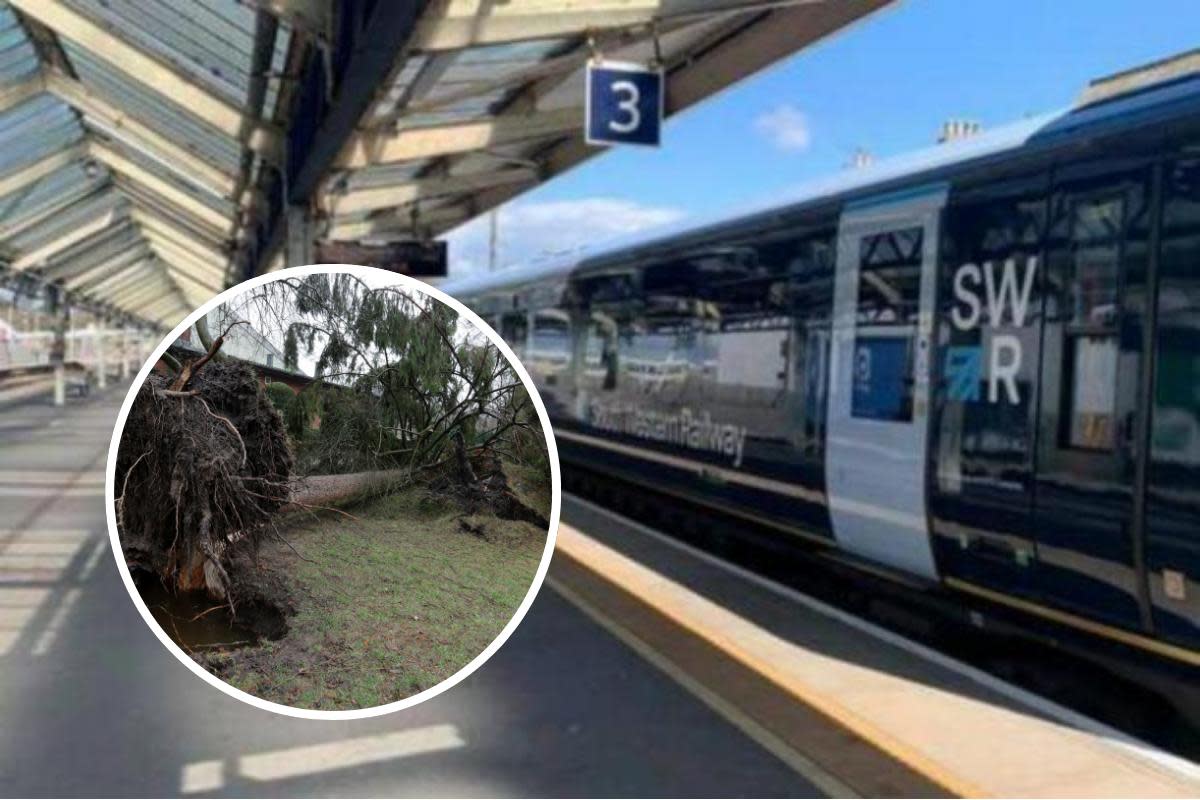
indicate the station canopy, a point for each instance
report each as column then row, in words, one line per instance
column 153, row 152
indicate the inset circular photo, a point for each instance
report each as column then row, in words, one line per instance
column 333, row 491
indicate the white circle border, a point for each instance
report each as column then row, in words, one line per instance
column 374, row 711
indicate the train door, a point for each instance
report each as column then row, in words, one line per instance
column 1097, row 254
column 987, row 364
column 884, row 292
column 1173, row 479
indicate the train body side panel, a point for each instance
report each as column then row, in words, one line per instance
column 1061, row 470
column 703, row 370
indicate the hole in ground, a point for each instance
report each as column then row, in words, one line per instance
column 198, row 623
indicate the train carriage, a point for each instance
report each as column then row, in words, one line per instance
column 977, row 366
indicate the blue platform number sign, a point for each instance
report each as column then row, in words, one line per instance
column 624, row 104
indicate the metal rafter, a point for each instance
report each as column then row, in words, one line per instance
column 365, row 200
column 110, row 266
column 415, row 143
column 32, row 172
column 53, row 209
column 175, row 196
column 78, row 234
column 455, row 24
column 314, row 17
column 89, row 253
column 153, row 72
column 106, row 117
column 363, row 56
column 14, row 94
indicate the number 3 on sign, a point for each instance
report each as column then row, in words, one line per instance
column 629, row 94
column 624, row 104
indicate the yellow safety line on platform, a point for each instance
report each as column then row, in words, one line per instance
column 806, row 767
column 667, row 598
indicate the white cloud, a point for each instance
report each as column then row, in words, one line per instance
column 535, row 230
column 786, row 127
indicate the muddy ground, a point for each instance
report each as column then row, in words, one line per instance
column 385, row 605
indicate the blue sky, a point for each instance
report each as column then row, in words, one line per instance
column 885, row 85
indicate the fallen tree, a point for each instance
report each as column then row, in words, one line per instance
column 406, row 394
column 403, row 381
column 203, row 465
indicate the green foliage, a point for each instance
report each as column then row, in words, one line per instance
column 291, row 350
column 348, row 436
column 413, row 381
column 303, row 409
column 280, row 395
column 297, row 409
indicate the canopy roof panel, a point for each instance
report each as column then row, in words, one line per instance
column 150, row 150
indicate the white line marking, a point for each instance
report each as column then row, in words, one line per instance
column 42, row 646
column 203, row 776
column 56, row 477
column 50, row 491
column 94, row 559
column 26, row 546
column 21, row 598
column 27, row 562
column 1036, row 702
column 346, row 753
column 48, row 534
column 17, row 607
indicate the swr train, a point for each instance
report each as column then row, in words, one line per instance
column 976, row 367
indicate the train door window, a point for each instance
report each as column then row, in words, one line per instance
column 1090, row 325
column 889, row 277
column 888, row 300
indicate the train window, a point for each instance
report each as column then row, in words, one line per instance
column 1175, row 439
column 601, row 360
column 613, row 305
column 1097, row 259
column 1092, row 399
column 889, row 286
column 1091, row 335
column 549, row 351
column 889, row 277
column 514, row 328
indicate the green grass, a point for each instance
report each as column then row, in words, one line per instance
column 389, row 604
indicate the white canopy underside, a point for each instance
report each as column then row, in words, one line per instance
column 133, row 133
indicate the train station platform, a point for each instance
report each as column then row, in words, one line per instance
column 93, row 703
column 856, row 709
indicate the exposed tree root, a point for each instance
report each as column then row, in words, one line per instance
column 203, row 465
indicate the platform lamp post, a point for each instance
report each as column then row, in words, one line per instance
column 60, row 311
column 124, row 348
column 493, row 238
column 101, row 326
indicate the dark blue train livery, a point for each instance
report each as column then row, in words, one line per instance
column 977, row 366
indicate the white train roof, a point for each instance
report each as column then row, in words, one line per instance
column 1048, row 127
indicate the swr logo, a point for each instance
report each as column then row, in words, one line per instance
column 1006, row 299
